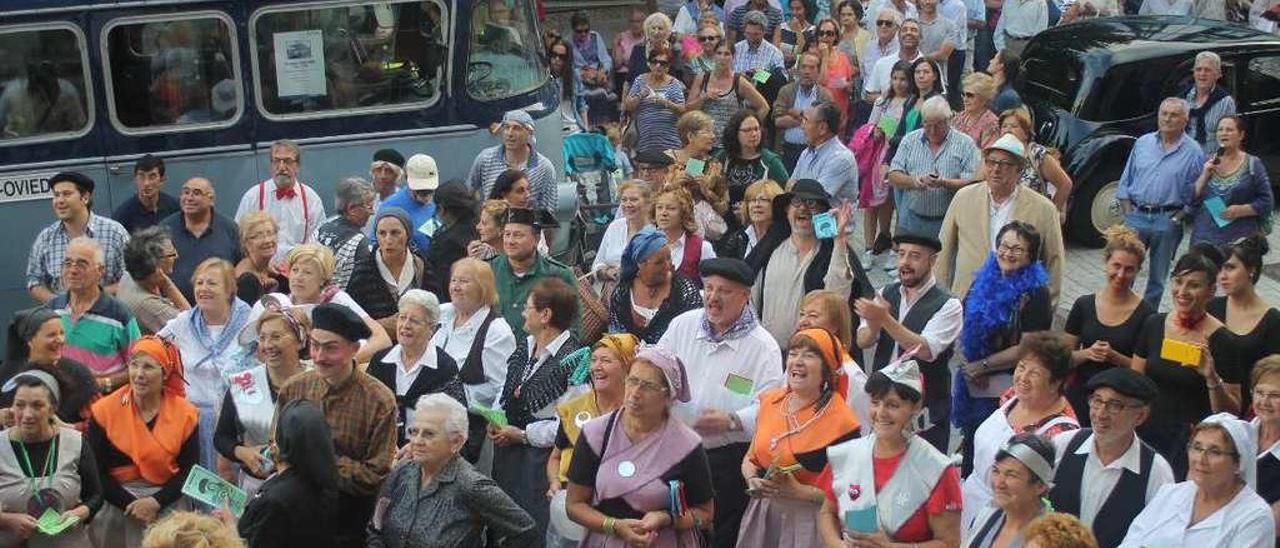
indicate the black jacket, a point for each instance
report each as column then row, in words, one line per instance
column 289, row 511
column 447, row 246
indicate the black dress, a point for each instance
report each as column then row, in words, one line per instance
column 1245, row 350
column 684, row 296
column 288, row 511
column 1184, row 396
column 1083, row 323
column 370, row 290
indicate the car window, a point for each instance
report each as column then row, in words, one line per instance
column 336, row 60
column 165, row 73
column 1054, row 80
column 505, row 55
column 1131, row 90
column 1262, row 83
column 43, row 81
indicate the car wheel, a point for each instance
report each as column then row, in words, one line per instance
column 1095, row 209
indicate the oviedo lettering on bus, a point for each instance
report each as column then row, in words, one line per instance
column 25, row 187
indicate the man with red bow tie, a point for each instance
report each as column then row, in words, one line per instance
column 296, row 207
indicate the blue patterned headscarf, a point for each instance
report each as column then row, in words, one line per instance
column 643, row 245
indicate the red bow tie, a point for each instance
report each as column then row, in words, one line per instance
column 285, row 192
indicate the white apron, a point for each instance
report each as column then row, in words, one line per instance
column 111, row 528
column 853, row 480
column 251, row 394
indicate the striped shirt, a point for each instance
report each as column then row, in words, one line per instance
column 44, row 264
column 772, row 15
column 765, row 56
column 541, row 172
column 1224, row 106
column 656, row 124
column 956, row 159
column 101, row 337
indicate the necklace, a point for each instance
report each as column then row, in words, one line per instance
column 39, row 500
column 791, row 421
column 1189, row 322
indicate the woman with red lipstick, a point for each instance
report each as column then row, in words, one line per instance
column 1254, row 324
column 1103, row 326
column 1189, row 392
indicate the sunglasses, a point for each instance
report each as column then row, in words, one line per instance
column 826, row 33
column 559, row 55
column 659, row 62
column 708, row 38
column 970, row 94
column 884, row 23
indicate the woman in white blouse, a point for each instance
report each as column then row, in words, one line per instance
column 635, row 200
column 473, row 332
column 1217, row 505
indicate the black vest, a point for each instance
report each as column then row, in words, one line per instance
column 1127, row 498
column 937, row 378
column 1269, row 477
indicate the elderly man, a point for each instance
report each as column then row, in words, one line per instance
column 519, row 266
column 652, row 167
column 199, row 233
column 885, row 44
column 732, row 359
column 360, row 410
column 906, row 9
column 826, row 160
column 1209, row 102
column 386, row 169
column 72, row 204
column 1107, row 470
column 416, row 199
column 979, row 211
column 916, row 313
column 147, row 288
column 753, row 53
column 793, row 99
column 931, row 164
column 344, row 233
column 99, row 328
column 737, row 19
column 1020, row 21
column 296, row 207
column 1157, row 190
column 149, row 205
column 515, row 152
column 908, row 50
column 791, row 265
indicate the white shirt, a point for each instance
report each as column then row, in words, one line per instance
column 873, row 11
column 882, row 75
column 499, row 343
column 858, row 398
column 754, row 357
column 942, row 330
column 875, row 52
column 1165, row 7
column 958, row 14
column 612, row 245
column 295, row 224
column 677, row 252
column 1245, row 522
column 999, row 214
column 406, row 377
column 1098, row 480
column 1024, row 18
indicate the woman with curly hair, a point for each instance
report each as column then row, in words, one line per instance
column 673, row 215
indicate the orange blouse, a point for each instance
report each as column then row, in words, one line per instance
column 801, row 438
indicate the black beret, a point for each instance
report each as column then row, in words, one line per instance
column 82, row 181
column 917, row 239
column 1126, row 381
column 389, row 155
column 732, row 269
column 339, row 319
column 455, row 196
column 536, row 218
column 654, row 157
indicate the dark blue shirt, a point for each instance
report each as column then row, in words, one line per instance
column 134, row 217
column 221, row 239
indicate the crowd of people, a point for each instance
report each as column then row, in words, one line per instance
column 415, row 369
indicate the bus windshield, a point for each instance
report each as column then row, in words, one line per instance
column 505, row 57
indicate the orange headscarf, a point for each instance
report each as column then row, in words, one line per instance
column 833, row 355
column 170, row 360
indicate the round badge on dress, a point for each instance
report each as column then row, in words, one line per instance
column 581, row 418
column 626, row 468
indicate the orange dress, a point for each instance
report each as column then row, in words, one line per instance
column 839, row 71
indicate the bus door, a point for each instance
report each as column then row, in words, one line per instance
column 174, row 86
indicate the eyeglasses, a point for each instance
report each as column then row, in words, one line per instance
column 1214, row 453
column 1265, row 396
column 884, row 23
column 708, row 38
column 992, row 163
column 644, row 386
column 410, row 320
column 808, row 203
column 285, row 161
column 76, row 264
column 559, row 55
column 1110, row 406
column 659, row 62
column 1011, row 250
column 198, row 193
column 826, row 33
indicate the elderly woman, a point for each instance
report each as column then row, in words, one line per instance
column 1189, row 392
column 1036, row 406
column 1021, row 475
column 698, row 172
column 255, row 275
column 36, row 339
column 755, row 215
column 456, row 210
column 745, row 160
column 437, row 498
column 635, row 199
column 839, row 72
column 976, row 120
column 488, row 230
column 144, row 438
column 471, row 330
column 1265, row 428
column 649, row 293
column 414, row 367
column 929, row 514
column 619, row 481
column 67, row 483
column 829, row 310
column 721, row 93
column 604, row 366
column 673, row 214
column 657, row 36
column 655, row 99
column 1043, row 168
column 243, row 432
column 206, row 337
column 187, row 529
column 1216, row 506
column 1253, row 322
column 537, row 379
column 1233, row 191
column 310, row 267
column 787, row 458
column 146, row 287
column 394, row 267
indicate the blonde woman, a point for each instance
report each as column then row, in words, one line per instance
column 255, row 275
column 701, row 174
column 635, row 201
column 673, row 215
column 976, row 120
column 755, row 214
column 473, row 332
column 490, row 230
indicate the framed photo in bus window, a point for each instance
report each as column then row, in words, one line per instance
column 44, row 84
column 312, row 61
column 505, row 57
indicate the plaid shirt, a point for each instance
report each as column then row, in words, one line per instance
column 362, row 414
column 44, row 264
column 765, row 56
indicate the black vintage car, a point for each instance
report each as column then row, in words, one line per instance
column 1094, row 87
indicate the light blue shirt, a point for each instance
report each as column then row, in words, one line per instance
column 831, row 164
column 765, row 56
column 795, row 135
column 1154, row 176
column 957, row 158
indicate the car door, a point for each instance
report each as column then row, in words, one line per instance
column 1259, row 102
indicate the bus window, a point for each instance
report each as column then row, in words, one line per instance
column 505, row 56
column 337, row 60
column 164, row 73
column 42, row 84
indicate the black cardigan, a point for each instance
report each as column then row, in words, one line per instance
column 370, row 291
column 444, row 378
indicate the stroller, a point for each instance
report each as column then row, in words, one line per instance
column 590, row 163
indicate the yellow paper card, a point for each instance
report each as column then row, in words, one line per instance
column 1181, row 352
